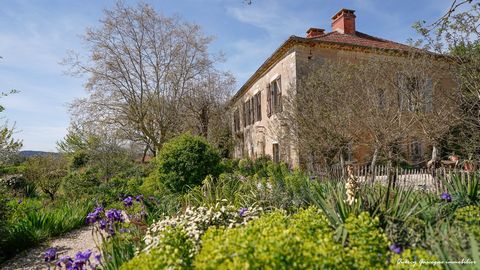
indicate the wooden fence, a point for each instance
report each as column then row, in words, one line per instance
column 421, row 178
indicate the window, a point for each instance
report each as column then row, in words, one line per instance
column 274, row 97
column 236, row 120
column 276, row 153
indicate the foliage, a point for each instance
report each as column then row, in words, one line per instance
column 46, row 172
column 196, row 220
column 118, row 231
column 97, row 152
column 308, row 236
column 80, row 183
column 29, row 222
column 174, row 252
column 468, row 220
column 185, row 161
column 465, row 189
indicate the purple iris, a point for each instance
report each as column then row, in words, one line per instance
column 103, row 224
column 396, row 249
column 81, row 258
column 98, row 257
column 111, row 230
column 91, row 218
column 114, row 215
column 242, row 212
column 19, row 201
column 66, row 260
column 50, row 254
column 446, row 196
column 139, row 198
column 128, row 201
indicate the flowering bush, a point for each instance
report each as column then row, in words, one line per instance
column 196, row 220
column 173, row 241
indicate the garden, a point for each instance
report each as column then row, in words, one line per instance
column 190, row 209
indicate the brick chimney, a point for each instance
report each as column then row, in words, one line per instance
column 344, row 21
column 315, row 32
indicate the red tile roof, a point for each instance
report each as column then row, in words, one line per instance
column 364, row 40
column 339, row 40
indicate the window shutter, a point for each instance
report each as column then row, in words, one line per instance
column 248, row 111
column 245, row 114
column 252, row 111
column 259, row 106
column 269, row 100
column 279, row 96
column 254, row 98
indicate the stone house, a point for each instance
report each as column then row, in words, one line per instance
column 256, row 106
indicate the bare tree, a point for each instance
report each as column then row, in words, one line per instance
column 8, row 145
column 142, row 66
column 457, row 34
column 378, row 106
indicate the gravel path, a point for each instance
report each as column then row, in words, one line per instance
column 69, row 244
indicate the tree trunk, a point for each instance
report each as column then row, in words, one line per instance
column 144, row 153
column 373, row 164
column 432, row 166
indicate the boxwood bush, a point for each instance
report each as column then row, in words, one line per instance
column 185, row 161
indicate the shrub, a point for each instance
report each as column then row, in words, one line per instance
column 468, row 219
column 366, row 243
column 46, row 172
column 185, row 161
column 196, row 220
column 174, row 252
column 262, row 244
column 80, row 183
column 302, row 241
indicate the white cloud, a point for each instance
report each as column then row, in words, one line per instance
column 269, row 16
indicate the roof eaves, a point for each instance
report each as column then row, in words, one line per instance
column 275, row 56
column 264, row 66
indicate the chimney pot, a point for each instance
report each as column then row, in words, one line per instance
column 344, row 21
column 315, row 32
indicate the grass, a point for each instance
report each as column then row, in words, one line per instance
column 27, row 229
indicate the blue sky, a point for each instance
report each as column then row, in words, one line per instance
column 35, row 35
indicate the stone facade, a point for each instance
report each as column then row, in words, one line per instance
column 256, row 131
